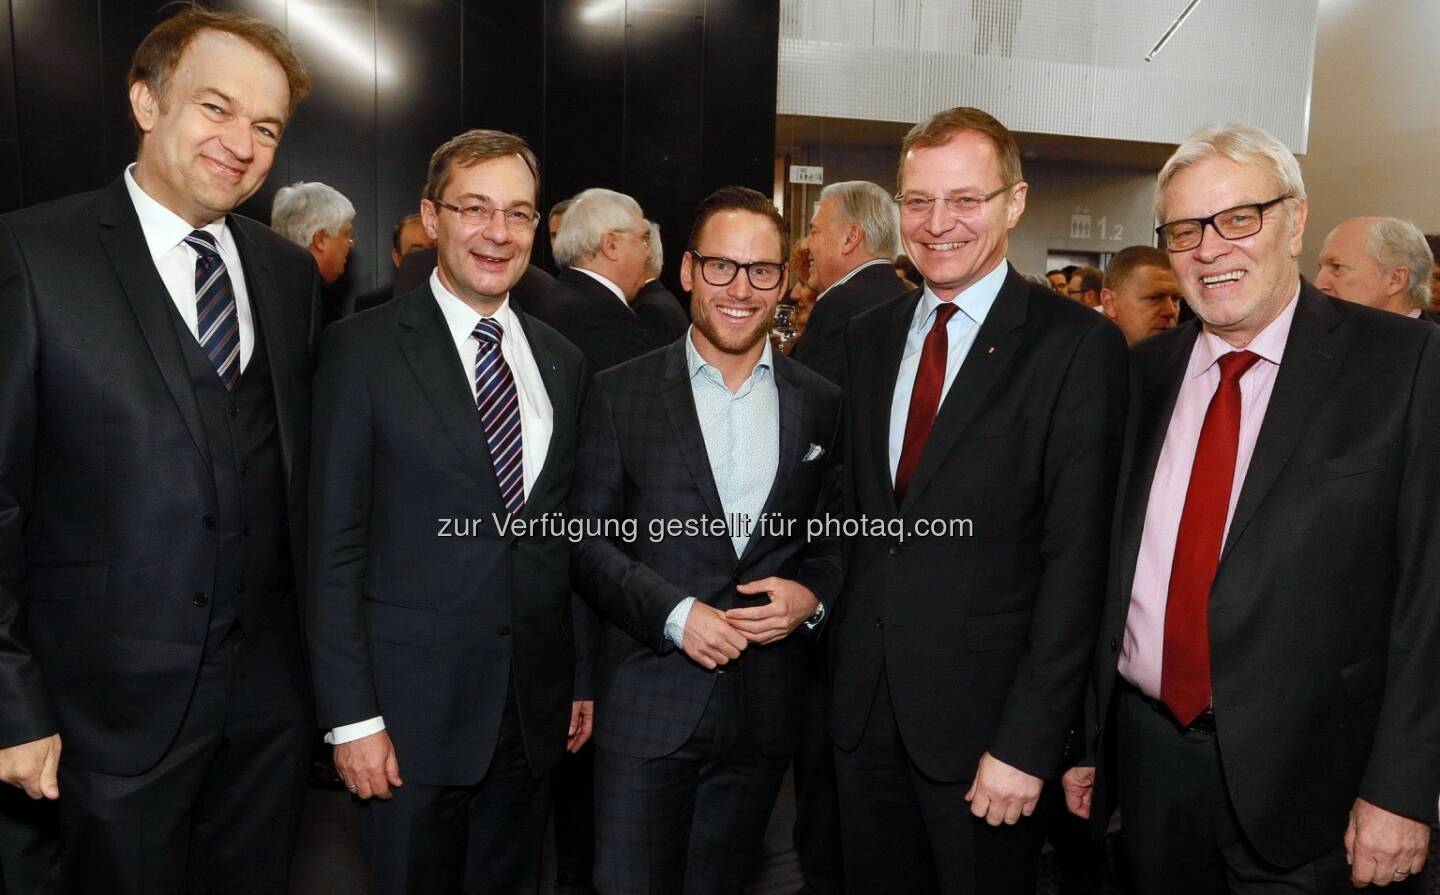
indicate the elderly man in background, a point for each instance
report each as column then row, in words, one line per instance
column 660, row 312
column 1381, row 262
column 603, row 249
column 853, row 240
column 321, row 220
column 1140, row 294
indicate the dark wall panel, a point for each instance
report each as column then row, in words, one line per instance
column 58, row 97
column 584, row 97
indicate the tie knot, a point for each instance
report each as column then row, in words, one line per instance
column 1234, row 364
column 203, row 242
column 944, row 313
column 487, row 331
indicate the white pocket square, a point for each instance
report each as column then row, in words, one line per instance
column 815, row 453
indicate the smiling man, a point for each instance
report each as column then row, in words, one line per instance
column 441, row 636
column 701, row 668
column 1271, row 639
column 958, row 662
column 153, row 445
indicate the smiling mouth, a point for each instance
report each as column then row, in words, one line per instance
column 227, row 170
column 736, row 313
column 490, row 259
column 945, row 246
column 1221, row 279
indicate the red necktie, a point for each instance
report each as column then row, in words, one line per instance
column 924, row 398
column 1185, row 662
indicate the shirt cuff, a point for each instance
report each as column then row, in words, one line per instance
column 346, row 733
column 675, row 622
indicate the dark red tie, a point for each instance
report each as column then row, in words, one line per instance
column 924, row 398
column 1185, row 662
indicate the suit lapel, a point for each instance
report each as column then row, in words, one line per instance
column 124, row 244
column 428, row 349
column 793, row 409
column 1312, row 357
column 1155, row 397
column 563, row 411
column 890, row 346
column 680, row 408
column 260, row 287
column 994, row 344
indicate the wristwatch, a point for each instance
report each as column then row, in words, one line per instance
column 813, row 621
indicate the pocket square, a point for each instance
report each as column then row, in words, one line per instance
column 815, row 453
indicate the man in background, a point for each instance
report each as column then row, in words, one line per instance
column 1084, row 286
column 659, row 311
column 1140, row 293
column 320, row 219
column 408, row 236
column 1381, row 262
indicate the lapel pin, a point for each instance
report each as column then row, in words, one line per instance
column 992, row 350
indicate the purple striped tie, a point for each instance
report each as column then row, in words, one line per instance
column 499, row 405
column 218, row 325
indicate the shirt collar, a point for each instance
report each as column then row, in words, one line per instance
column 1269, row 343
column 851, row 275
column 163, row 228
column 1414, row 313
column 605, row 281
column 975, row 302
column 695, row 363
column 460, row 318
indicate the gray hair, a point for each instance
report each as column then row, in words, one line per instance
column 873, row 209
column 303, row 209
column 657, row 252
column 1395, row 243
column 1241, row 144
column 590, row 216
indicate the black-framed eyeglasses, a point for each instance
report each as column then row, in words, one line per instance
column 960, row 204
column 517, row 220
column 720, row 271
column 1232, row 223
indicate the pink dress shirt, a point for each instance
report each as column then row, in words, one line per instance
column 1145, row 625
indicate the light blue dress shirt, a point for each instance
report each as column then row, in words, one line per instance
column 742, row 440
column 973, row 305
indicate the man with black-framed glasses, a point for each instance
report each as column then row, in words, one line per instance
column 957, row 657
column 1266, row 666
column 720, row 451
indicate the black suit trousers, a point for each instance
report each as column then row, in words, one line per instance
column 907, row 834
column 220, row 811
column 29, row 844
column 692, row 821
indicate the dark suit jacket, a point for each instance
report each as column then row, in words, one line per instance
column 602, row 326
column 1324, row 621
column 822, row 346
column 984, row 638
column 105, row 476
column 422, row 610
column 660, row 313
column 643, row 458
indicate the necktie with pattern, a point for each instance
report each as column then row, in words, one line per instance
column 218, row 328
column 498, row 403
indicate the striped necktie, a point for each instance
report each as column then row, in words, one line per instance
column 499, row 406
column 218, row 324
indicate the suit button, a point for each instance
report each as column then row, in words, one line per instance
column 879, row 622
column 234, row 411
column 208, row 522
column 502, row 630
column 201, row 599
column 1114, row 645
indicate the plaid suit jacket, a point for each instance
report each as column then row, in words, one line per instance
column 642, row 457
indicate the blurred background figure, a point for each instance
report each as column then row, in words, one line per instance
column 1084, row 286
column 408, row 237
column 320, row 219
column 657, row 308
column 1140, row 292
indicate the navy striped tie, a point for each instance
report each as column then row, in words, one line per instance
column 218, row 324
column 499, row 405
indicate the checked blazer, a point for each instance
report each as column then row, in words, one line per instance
column 642, row 457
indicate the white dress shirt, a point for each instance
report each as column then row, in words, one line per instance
column 537, row 415
column 174, row 259
column 851, row 275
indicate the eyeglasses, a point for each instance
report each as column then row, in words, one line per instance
column 1232, row 223
column 517, row 220
column 962, row 205
column 717, row 271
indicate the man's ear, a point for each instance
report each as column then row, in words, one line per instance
column 144, row 105
column 854, row 238
column 1107, row 301
column 1397, row 281
column 685, row 281
column 610, row 245
column 428, row 216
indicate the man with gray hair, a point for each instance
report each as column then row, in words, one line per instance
column 1270, row 640
column 318, row 218
column 1381, row 262
column 853, row 240
column 660, row 312
column 603, row 251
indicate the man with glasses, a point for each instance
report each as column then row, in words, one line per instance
column 958, row 657
column 1084, row 286
column 720, row 451
column 440, row 629
column 603, row 251
column 1266, row 666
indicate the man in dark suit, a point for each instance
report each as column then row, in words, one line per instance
column 656, row 307
column 153, row 447
column 440, row 628
column 1271, row 638
column 733, row 444
column 1381, row 262
column 603, row 248
column 986, row 443
column 853, row 240
column 408, row 236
